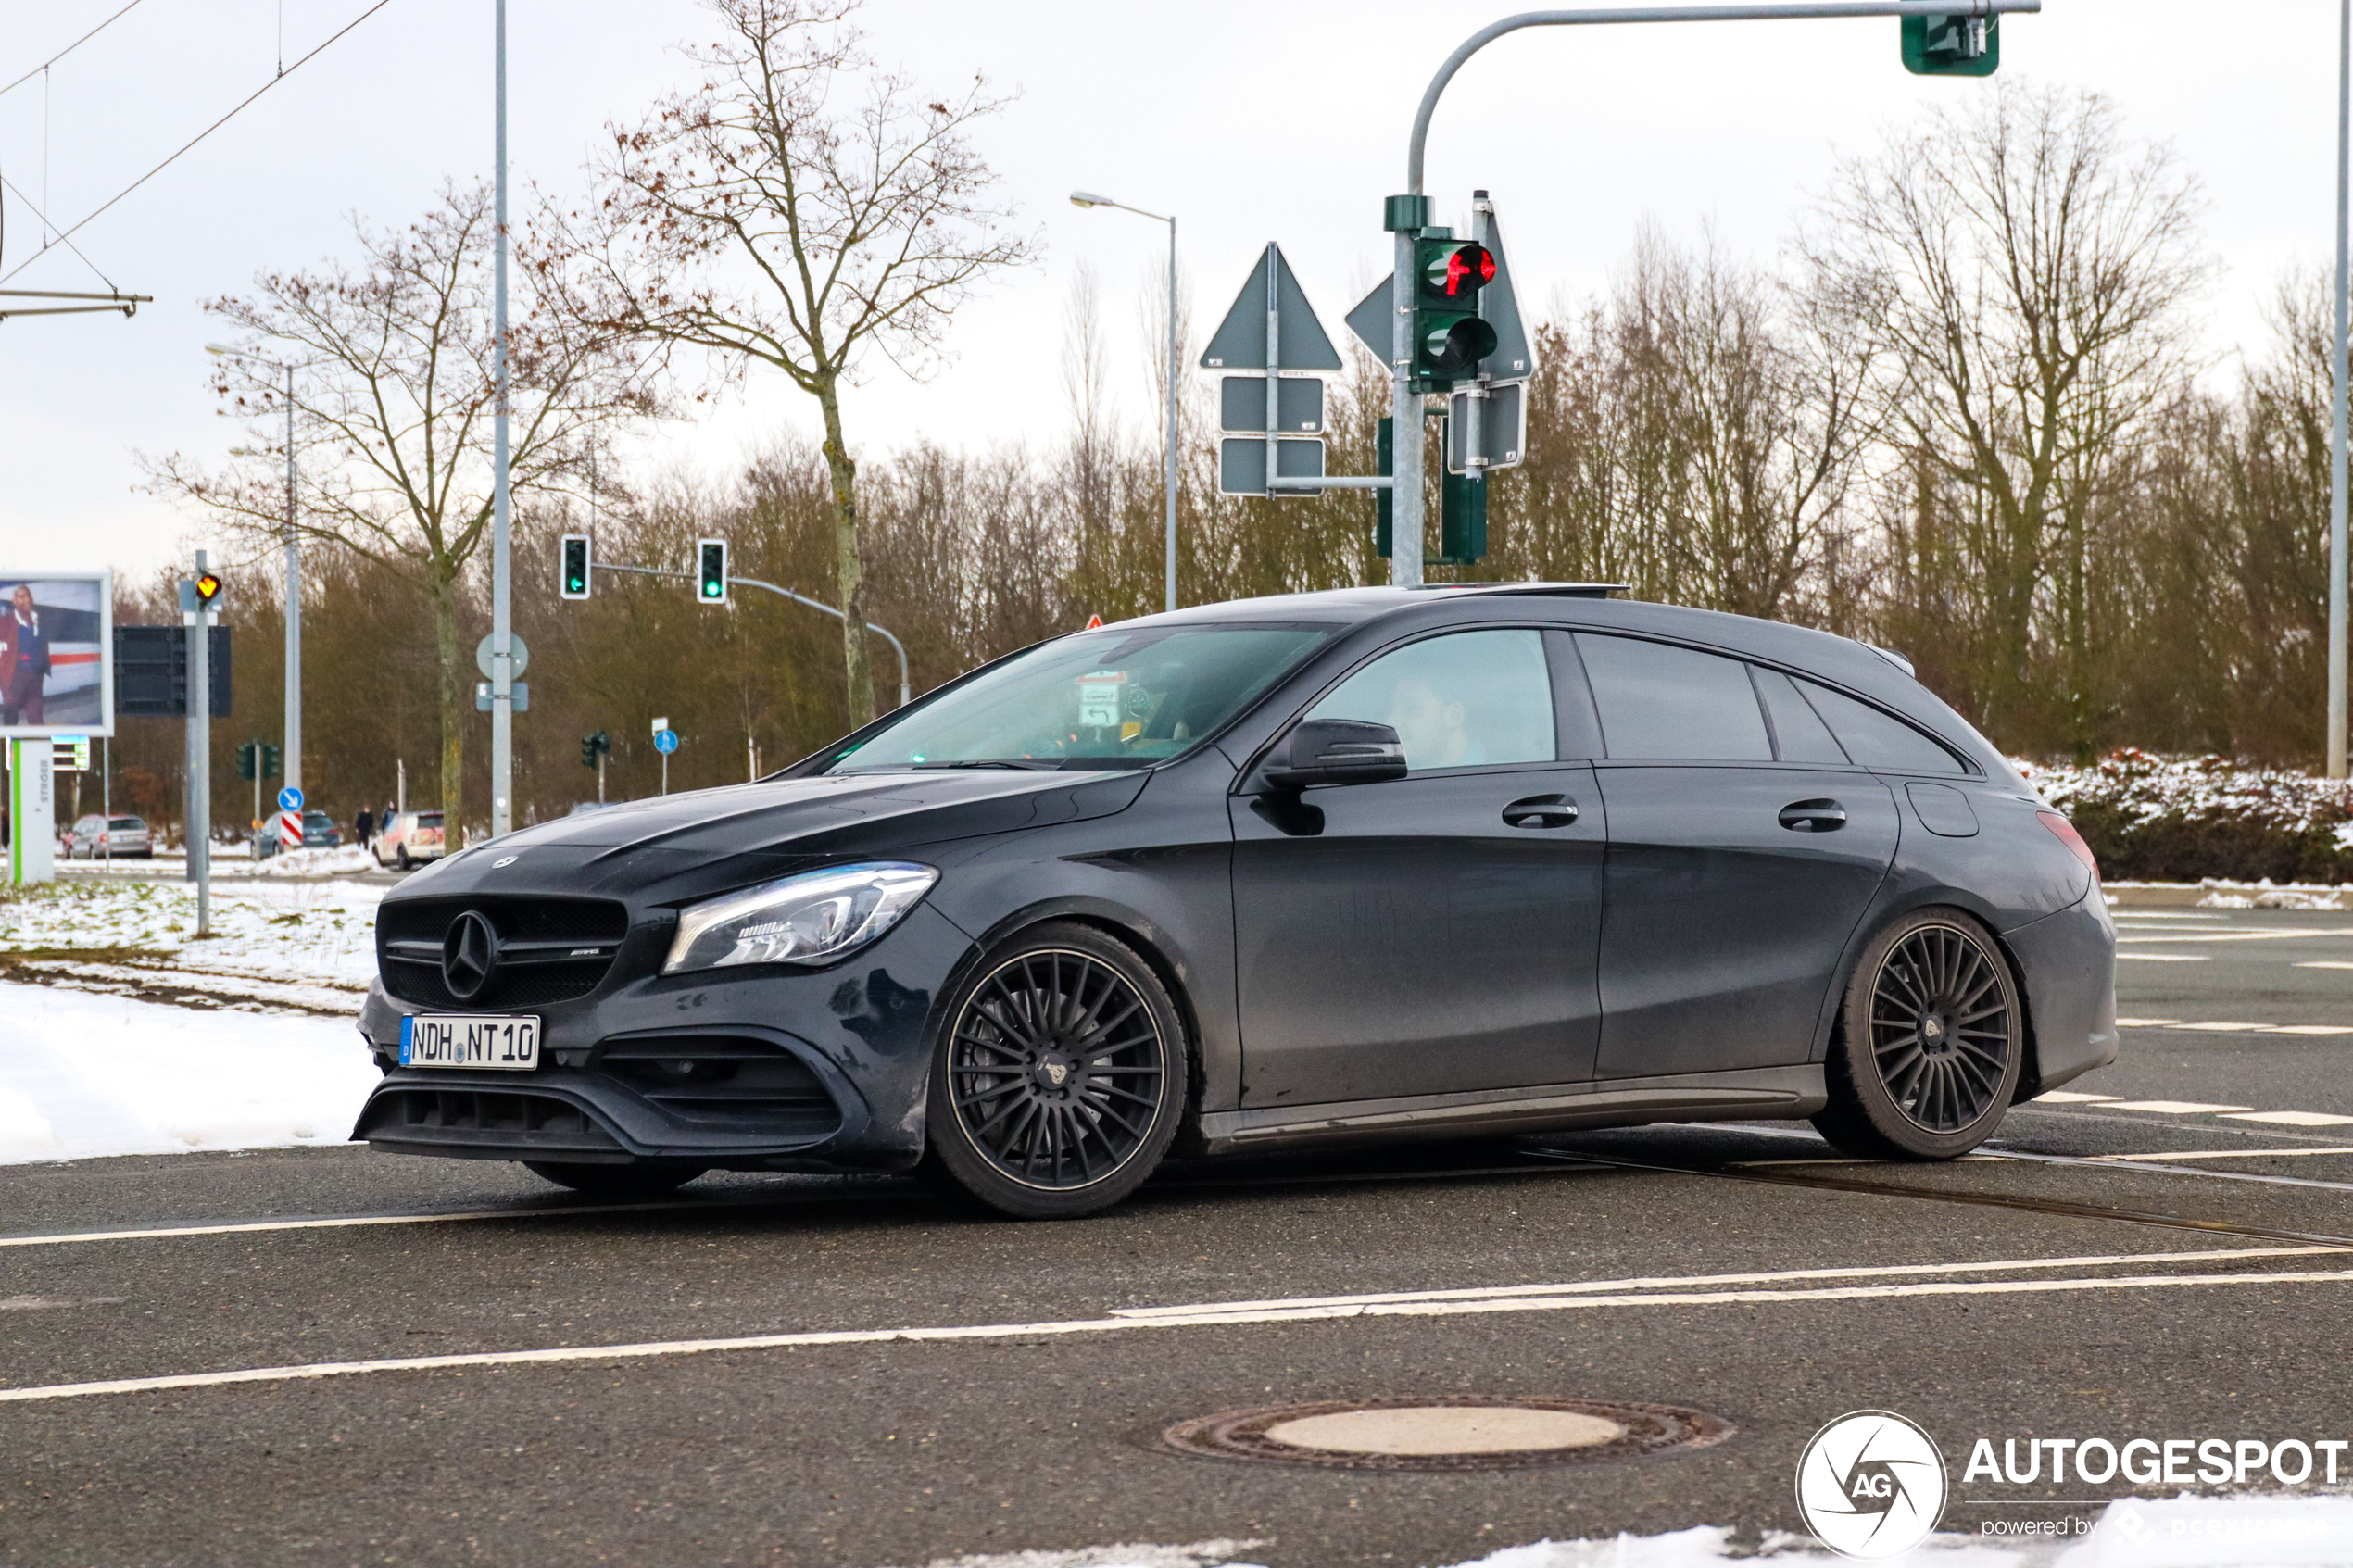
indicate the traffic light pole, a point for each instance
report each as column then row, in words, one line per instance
column 1406, row 561
column 199, row 790
column 502, row 661
column 905, row 692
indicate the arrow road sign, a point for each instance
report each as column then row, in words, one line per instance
column 1239, row 342
column 290, row 800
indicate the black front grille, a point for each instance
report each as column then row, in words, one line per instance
column 720, row 1078
column 456, row 1118
column 550, row 950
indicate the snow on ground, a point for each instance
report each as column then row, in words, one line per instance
column 2183, row 1532
column 300, row 945
column 83, row 1075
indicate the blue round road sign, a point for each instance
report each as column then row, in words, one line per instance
column 290, row 800
column 665, row 741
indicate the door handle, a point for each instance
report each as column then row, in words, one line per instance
column 1541, row 811
column 1812, row 816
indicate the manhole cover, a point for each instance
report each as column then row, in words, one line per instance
column 1450, row 1432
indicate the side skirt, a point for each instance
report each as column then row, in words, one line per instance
column 1776, row 1093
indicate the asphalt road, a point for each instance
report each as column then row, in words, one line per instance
column 2173, row 1259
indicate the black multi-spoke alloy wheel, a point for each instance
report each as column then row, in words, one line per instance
column 639, row 1180
column 1930, row 1043
column 1058, row 1077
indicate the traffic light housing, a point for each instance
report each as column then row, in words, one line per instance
column 1956, row 45
column 209, row 587
column 1462, row 510
column 573, row 577
column 249, row 759
column 1449, row 338
column 593, row 749
column 273, row 761
column 710, row 569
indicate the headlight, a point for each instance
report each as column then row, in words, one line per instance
column 811, row 918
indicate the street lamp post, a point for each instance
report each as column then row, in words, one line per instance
column 2337, row 402
column 502, row 663
column 1168, row 441
column 293, row 747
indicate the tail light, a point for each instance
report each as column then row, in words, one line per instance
column 2064, row 831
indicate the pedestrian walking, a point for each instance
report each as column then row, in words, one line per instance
column 363, row 828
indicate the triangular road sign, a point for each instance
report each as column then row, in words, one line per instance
column 1499, row 308
column 1372, row 318
column 1239, row 342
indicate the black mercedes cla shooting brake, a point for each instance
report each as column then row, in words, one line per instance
column 1346, row 866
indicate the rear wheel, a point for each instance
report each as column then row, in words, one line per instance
column 400, row 858
column 1931, row 1040
column 615, row 1181
column 1060, row 1076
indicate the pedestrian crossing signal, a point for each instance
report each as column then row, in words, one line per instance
column 575, row 567
column 711, row 555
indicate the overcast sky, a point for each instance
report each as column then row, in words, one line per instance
column 1253, row 119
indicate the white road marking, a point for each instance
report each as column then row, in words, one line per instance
column 2323, row 964
column 651, row 1350
column 1662, row 1282
column 2292, row 1118
column 2313, row 1029
column 2069, row 1096
column 361, row 1222
column 2170, row 1107
column 2227, row 1027
column 2228, row 1154
column 2146, row 1022
column 51, row 1303
column 2168, row 958
column 2288, row 936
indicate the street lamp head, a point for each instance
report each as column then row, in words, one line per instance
column 1088, row 198
column 223, row 348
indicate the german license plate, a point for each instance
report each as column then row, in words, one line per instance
column 477, row 1040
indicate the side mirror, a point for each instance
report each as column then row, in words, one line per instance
column 1335, row 751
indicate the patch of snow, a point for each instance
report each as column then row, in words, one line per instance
column 2274, row 898
column 303, row 930
column 1200, row 1554
column 348, row 861
column 82, row 1075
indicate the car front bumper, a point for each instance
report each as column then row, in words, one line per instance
column 822, row 1070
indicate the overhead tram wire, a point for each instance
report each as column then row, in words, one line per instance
column 69, row 48
column 199, row 136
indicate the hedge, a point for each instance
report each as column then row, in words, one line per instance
column 2185, row 819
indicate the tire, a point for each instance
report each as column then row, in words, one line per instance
column 615, row 1181
column 400, row 858
column 1059, row 1076
column 1931, row 1039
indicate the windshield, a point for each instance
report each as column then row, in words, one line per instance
column 126, row 822
column 1111, row 698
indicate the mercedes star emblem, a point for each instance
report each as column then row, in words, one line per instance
column 469, row 955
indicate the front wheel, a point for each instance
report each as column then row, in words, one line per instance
column 1931, row 1037
column 400, row 858
column 615, row 1181
column 1059, row 1075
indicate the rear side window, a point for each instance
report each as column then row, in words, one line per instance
column 1467, row 699
column 1799, row 733
column 1875, row 739
column 1673, row 704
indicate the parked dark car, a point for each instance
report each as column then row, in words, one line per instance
column 1342, row 866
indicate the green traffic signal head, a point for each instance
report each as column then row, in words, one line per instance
column 1455, row 271
column 711, row 560
column 1455, row 348
column 573, row 573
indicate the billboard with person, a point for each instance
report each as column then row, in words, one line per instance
column 56, row 653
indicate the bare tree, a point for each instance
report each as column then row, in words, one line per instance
column 764, row 219
column 393, row 413
column 2032, row 270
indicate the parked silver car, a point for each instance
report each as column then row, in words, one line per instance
column 97, row 837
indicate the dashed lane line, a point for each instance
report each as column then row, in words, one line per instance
column 1199, row 1319
column 2227, row 1154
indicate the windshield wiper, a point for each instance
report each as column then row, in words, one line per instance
column 1023, row 763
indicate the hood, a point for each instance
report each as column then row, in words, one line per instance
column 719, row 836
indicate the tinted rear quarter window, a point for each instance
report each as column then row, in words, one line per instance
column 1877, row 739
column 1672, row 703
column 1799, row 733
